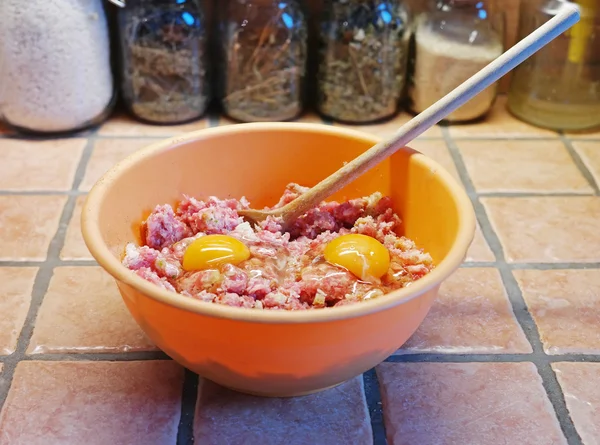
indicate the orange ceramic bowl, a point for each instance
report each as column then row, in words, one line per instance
column 275, row 353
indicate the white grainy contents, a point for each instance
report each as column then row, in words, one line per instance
column 55, row 72
column 442, row 64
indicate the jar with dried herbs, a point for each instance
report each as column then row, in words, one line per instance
column 164, row 59
column 263, row 51
column 362, row 60
column 452, row 41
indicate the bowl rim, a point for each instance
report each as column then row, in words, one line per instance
column 102, row 254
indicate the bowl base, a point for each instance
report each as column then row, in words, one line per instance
column 281, row 395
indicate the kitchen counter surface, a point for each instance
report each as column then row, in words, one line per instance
column 508, row 354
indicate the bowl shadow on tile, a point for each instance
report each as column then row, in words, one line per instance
column 336, row 416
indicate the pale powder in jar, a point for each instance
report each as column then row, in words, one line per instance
column 55, row 72
column 442, row 64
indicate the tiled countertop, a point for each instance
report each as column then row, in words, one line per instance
column 509, row 353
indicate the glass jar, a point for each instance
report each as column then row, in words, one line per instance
column 362, row 62
column 263, row 54
column 452, row 41
column 558, row 87
column 55, row 66
column 164, row 60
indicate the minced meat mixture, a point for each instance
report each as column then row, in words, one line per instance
column 285, row 270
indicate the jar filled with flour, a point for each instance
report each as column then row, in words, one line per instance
column 55, row 67
column 452, row 41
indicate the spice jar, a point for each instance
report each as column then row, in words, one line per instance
column 362, row 60
column 55, row 66
column 452, row 41
column 263, row 50
column 164, row 59
column 558, row 87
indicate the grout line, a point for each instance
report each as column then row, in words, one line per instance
column 528, row 194
column 516, row 299
column 553, row 266
column 530, row 266
column 55, row 263
column 405, row 356
column 504, row 138
column 43, row 277
column 375, row 406
column 557, row 398
column 189, row 396
column 98, row 356
column 587, row 174
column 570, row 138
column 408, row 356
column 42, row 192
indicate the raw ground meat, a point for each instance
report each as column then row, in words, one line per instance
column 285, row 270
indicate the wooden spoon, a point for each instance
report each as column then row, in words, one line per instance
column 564, row 20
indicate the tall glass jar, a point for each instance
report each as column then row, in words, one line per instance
column 559, row 86
column 55, row 66
column 362, row 60
column 164, row 66
column 452, row 41
column 262, row 46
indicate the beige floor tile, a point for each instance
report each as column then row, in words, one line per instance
column 579, row 382
column 28, row 225
column 466, row 403
column 472, row 314
column 83, row 312
column 93, row 403
column 565, row 305
column 15, row 298
column 590, row 154
column 499, row 123
column 438, row 151
column 39, row 165
column 123, row 125
column 390, row 127
column 546, row 229
column 522, row 166
column 107, row 152
column 74, row 247
column 480, row 249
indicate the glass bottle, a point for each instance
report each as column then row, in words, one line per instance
column 55, row 65
column 262, row 47
column 452, row 41
column 163, row 50
column 559, row 86
column 362, row 61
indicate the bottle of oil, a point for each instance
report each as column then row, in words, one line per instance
column 559, row 86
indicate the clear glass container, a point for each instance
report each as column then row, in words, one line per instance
column 55, row 65
column 453, row 40
column 262, row 48
column 363, row 48
column 559, row 86
column 164, row 60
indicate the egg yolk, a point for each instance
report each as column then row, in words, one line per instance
column 212, row 251
column 362, row 255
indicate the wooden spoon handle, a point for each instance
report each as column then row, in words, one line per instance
column 567, row 17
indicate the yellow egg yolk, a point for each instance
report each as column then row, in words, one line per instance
column 362, row 255
column 211, row 251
